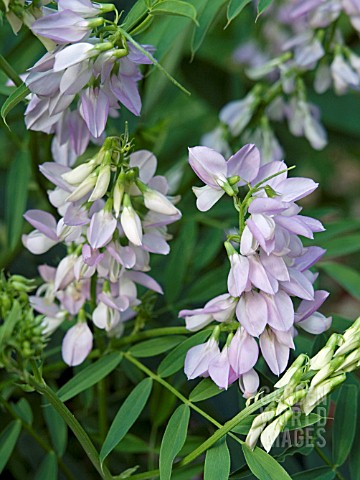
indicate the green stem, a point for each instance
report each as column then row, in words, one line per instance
column 10, row 72
column 327, row 461
column 74, row 426
column 43, row 444
column 230, row 425
column 141, row 27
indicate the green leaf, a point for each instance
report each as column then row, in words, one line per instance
column 5, row 90
column 89, row 376
column 354, row 458
column 126, row 416
column 203, row 390
column 155, row 346
column 244, row 426
column 173, row 440
column 8, row 439
column 48, row 469
column 344, row 423
column 345, row 276
column 206, row 17
column 174, row 361
column 23, row 409
column 17, row 184
column 207, row 248
column 56, row 427
column 135, row 16
column 217, row 462
column 300, row 420
column 338, row 247
column 262, row 6
column 175, row 7
column 234, row 8
column 8, row 326
column 179, row 259
column 320, row 473
column 263, row 465
column 209, row 285
column 16, row 97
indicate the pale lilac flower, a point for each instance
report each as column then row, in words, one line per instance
column 77, row 344
column 249, row 383
column 243, row 352
column 199, row 357
column 275, row 348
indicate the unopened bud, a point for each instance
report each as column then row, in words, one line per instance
column 118, row 193
column 258, row 425
column 272, row 431
column 290, row 400
column 290, row 372
column 326, row 371
column 102, row 183
column 324, row 356
column 85, row 187
column 316, row 394
column 350, row 362
column 80, row 173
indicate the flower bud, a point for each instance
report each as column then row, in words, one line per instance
column 118, row 193
column 102, row 183
column 131, row 223
column 85, row 187
column 350, row 362
column 326, row 371
column 315, row 395
column 157, row 202
column 296, row 366
column 258, row 426
column 290, row 400
column 324, row 356
column 350, row 344
column 80, row 173
column 272, row 431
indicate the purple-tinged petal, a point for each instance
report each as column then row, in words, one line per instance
column 77, row 344
column 309, row 258
column 219, row 369
column 276, row 354
column 298, row 285
column 37, row 243
column 126, row 91
column 293, row 189
column 207, row 197
column 249, row 383
column 252, row 313
column 53, row 171
column 208, row 165
column 280, row 311
column 308, row 307
column 243, row 351
column 42, row 221
column 155, row 243
column 267, row 205
column 245, row 163
column 198, row 358
column 145, row 280
column 147, row 163
column 102, row 227
column 62, row 27
column 259, row 277
column 238, row 275
column 316, row 323
column 73, row 54
column 94, row 109
column 275, row 266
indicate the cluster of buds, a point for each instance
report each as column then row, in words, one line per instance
column 115, row 212
column 297, row 38
column 90, row 71
column 268, row 266
column 307, row 383
column 21, row 333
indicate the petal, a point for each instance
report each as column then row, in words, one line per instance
column 77, row 344
column 207, row 197
column 245, row 163
column 208, row 164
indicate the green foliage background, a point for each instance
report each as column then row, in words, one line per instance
column 195, row 270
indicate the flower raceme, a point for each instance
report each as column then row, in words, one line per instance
column 114, row 213
column 96, row 75
column 268, row 266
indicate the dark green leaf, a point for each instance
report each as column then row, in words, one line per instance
column 320, row 473
column 244, row 426
column 126, row 416
column 180, row 256
column 203, row 390
column 354, row 458
column 17, row 184
column 345, row 276
column 173, row 440
column 48, row 469
column 209, row 285
column 344, row 423
column 89, row 376
column 294, row 450
column 338, row 247
column 16, row 97
column 8, row 439
column 217, row 462
column 155, row 346
column 56, row 427
column 175, row 7
column 234, row 8
column 206, row 17
column 133, row 444
column 300, row 420
column 5, row 90
column 262, row 6
column 136, row 15
column 174, row 361
column 207, row 248
column 23, row 409
column 263, row 465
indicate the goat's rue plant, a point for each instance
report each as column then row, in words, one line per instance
column 102, row 363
